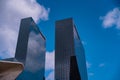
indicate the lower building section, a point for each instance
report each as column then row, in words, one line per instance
column 74, row 71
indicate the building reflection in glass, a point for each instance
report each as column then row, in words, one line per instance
column 30, row 51
column 34, row 55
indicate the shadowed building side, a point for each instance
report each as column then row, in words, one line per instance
column 74, row 71
column 80, row 55
column 22, row 43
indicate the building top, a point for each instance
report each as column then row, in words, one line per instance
column 37, row 28
column 70, row 20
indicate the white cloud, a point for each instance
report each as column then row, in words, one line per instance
column 88, row 64
column 50, row 60
column 11, row 12
column 84, row 43
column 112, row 18
column 50, row 56
column 101, row 65
column 91, row 74
column 50, row 76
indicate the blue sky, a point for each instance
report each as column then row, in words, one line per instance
column 98, row 31
column 97, row 22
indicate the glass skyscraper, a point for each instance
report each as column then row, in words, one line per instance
column 70, row 63
column 30, row 51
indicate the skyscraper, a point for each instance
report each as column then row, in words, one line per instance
column 30, row 51
column 69, row 52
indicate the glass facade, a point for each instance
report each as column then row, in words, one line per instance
column 80, row 55
column 74, row 71
column 67, row 44
column 63, row 49
column 30, row 51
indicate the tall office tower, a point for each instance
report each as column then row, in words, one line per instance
column 70, row 63
column 30, row 51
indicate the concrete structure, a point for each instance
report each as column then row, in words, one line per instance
column 10, row 70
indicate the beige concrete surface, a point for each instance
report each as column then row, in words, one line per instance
column 10, row 70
